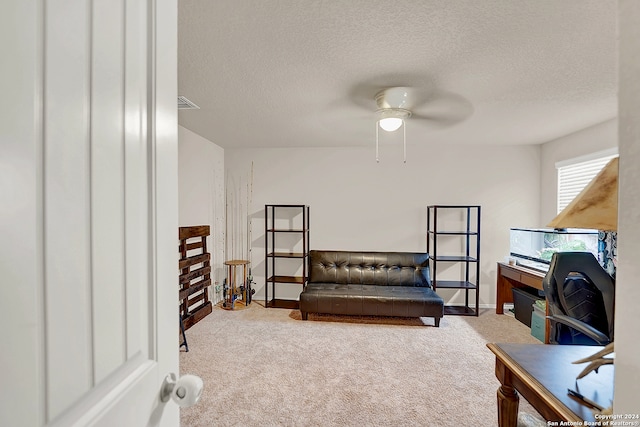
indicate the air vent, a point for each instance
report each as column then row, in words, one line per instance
column 185, row 104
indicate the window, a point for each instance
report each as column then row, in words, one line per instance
column 575, row 174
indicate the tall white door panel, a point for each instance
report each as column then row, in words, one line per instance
column 88, row 212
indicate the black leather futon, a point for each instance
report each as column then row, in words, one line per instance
column 370, row 284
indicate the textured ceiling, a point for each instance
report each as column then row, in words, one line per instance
column 284, row 73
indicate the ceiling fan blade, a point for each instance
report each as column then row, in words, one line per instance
column 364, row 95
column 443, row 109
column 342, row 117
column 357, row 112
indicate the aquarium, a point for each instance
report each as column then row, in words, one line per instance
column 534, row 247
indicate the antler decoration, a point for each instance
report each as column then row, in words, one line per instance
column 596, row 360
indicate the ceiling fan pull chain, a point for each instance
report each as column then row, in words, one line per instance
column 377, row 156
column 404, row 139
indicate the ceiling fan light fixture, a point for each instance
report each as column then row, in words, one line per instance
column 390, row 124
column 393, row 110
column 390, row 119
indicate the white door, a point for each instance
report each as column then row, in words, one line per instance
column 88, row 212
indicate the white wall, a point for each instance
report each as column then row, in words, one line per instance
column 201, row 194
column 358, row 204
column 587, row 141
column 627, row 371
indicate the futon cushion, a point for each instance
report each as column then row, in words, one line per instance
column 371, row 300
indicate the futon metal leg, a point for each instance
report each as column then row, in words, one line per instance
column 437, row 321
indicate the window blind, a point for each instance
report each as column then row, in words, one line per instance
column 573, row 177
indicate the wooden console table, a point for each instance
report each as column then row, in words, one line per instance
column 542, row 374
column 510, row 276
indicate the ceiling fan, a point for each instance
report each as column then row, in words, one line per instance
column 397, row 104
column 391, row 101
column 390, row 107
column 435, row 108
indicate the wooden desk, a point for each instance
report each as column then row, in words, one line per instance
column 510, row 276
column 542, row 374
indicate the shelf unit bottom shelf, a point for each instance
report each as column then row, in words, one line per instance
column 286, row 279
column 454, row 284
column 283, row 303
column 459, row 310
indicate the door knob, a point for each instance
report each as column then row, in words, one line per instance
column 185, row 391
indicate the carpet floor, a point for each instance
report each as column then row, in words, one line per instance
column 267, row 367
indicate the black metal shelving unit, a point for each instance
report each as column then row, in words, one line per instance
column 273, row 252
column 468, row 230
